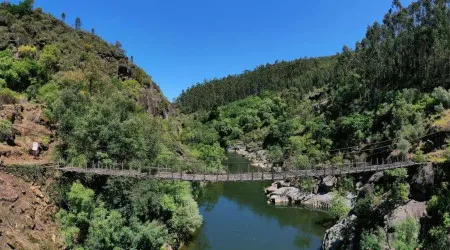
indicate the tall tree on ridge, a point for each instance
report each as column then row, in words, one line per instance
column 78, row 23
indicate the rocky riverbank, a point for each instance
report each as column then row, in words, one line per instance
column 343, row 234
column 256, row 156
column 287, row 192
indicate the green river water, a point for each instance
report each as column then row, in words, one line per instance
column 237, row 216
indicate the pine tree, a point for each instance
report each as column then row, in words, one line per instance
column 78, row 23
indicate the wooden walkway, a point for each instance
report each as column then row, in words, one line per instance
column 171, row 174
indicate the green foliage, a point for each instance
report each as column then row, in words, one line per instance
column 442, row 96
column 339, row 206
column 8, row 96
column 307, row 184
column 50, row 57
column 108, row 130
column 212, row 155
column 89, row 224
column 5, row 129
column 397, row 174
column 131, row 87
column 23, row 8
column 406, row 234
column 303, row 74
column 27, row 51
column 419, row 156
column 439, row 209
column 370, row 241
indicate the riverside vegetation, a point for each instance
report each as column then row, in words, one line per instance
column 381, row 99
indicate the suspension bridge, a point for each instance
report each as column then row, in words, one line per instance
column 248, row 174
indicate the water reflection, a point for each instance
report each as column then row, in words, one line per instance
column 236, row 216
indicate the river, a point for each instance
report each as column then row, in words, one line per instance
column 237, row 216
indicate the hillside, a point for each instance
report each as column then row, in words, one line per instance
column 83, row 102
column 303, row 75
column 64, row 52
column 389, row 97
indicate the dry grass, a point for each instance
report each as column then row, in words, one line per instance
column 443, row 122
column 438, row 156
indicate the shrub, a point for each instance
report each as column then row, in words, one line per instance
column 406, row 234
column 5, row 129
column 339, row 207
column 23, row 8
column 27, row 51
column 369, row 241
column 8, row 96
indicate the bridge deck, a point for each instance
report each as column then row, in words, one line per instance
column 169, row 174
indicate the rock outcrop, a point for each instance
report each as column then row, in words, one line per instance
column 335, row 235
column 257, row 157
column 422, row 183
column 412, row 208
column 26, row 216
column 282, row 192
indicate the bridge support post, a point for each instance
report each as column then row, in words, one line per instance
column 262, row 174
column 204, row 173
column 228, row 173
column 252, row 175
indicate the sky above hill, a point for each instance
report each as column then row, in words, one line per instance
column 180, row 43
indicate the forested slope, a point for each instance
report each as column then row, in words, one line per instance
column 303, row 75
column 388, row 97
column 85, row 102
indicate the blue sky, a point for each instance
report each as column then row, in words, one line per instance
column 180, row 43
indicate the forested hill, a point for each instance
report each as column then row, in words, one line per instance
column 302, row 74
column 52, row 49
column 410, row 48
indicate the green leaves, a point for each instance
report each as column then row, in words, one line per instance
column 339, row 206
column 90, row 224
column 406, row 234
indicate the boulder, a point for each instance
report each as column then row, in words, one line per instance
column 8, row 194
column 279, row 199
column 366, row 189
column 285, row 190
column 36, row 191
column 377, row 177
column 334, row 236
column 422, row 183
column 328, row 182
column 270, row 189
column 412, row 208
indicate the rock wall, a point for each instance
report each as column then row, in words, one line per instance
column 27, row 215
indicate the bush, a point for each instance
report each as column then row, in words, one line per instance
column 369, row 241
column 442, row 96
column 406, row 235
column 8, row 96
column 23, row 8
column 339, row 207
column 27, row 51
column 5, row 129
